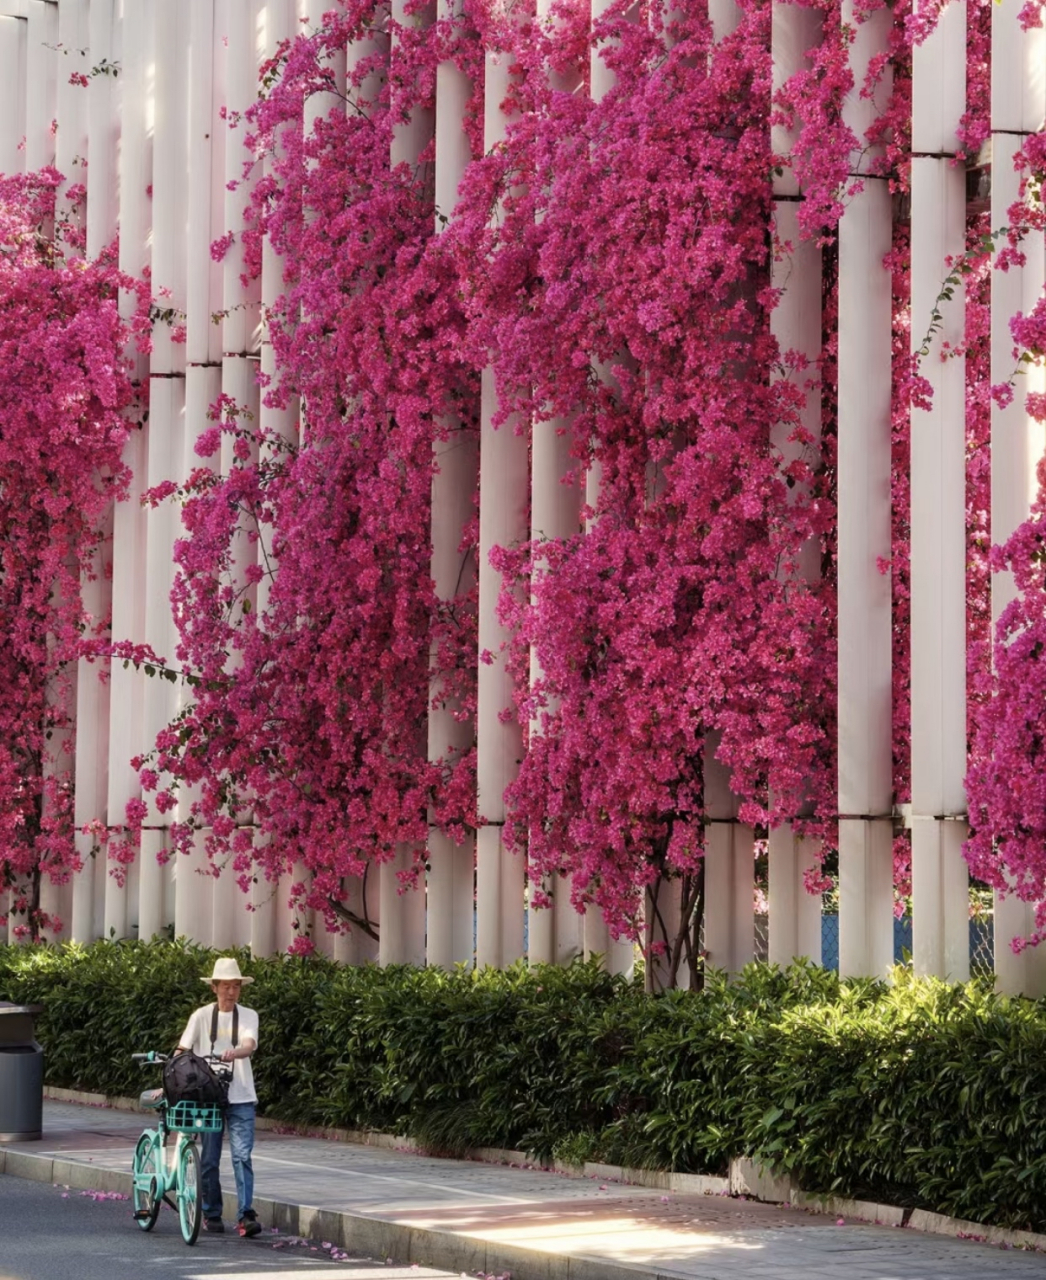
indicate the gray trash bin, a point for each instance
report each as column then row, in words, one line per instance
column 21, row 1074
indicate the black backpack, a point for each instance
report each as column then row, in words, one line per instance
column 189, row 1078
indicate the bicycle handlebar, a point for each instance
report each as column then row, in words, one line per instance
column 158, row 1059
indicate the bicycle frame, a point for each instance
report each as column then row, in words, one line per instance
column 163, row 1168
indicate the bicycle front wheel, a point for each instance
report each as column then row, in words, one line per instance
column 145, row 1173
column 190, row 1209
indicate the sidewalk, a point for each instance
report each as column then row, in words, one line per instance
column 482, row 1218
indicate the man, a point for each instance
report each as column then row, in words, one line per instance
column 229, row 1031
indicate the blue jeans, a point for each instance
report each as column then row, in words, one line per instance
column 239, row 1120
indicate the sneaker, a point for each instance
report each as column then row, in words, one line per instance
column 214, row 1225
column 249, row 1224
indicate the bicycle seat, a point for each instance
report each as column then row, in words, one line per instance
column 151, row 1099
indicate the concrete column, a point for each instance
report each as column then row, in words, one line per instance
column 601, row 78
column 193, row 893
column 91, row 763
column 166, row 432
column 1022, row 973
column 499, row 873
column 451, row 867
column 239, row 374
column 152, row 883
column 205, row 220
column 1018, row 108
column 618, row 956
column 241, row 323
column 225, row 906
column 56, row 900
column 100, row 881
column 238, row 380
column 165, row 452
column 451, row 875
column 358, row 947
column 504, row 484
column 662, row 908
column 725, row 17
column 59, row 764
column 280, row 24
column 451, row 880
column 865, row 619
column 794, row 919
column 794, row 922
column 232, row 924
column 556, row 934
column 239, row 920
column 129, row 585
column 103, row 126
column 403, row 910
column 410, row 137
column 286, row 917
column 82, row 926
column 326, row 943
column 137, row 118
column 402, row 913
column 453, row 90
column 941, row 942
column 13, row 49
column 41, row 83
column 71, row 107
column 728, row 913
column 115, row 910
column 319, row 105
column 92, row 696
column 241, row 318
column 729, row 872
column 263, row 906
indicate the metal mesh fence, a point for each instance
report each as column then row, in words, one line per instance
column 762, row 936
column 982, row 940
column 830, row 940
column 982, row 944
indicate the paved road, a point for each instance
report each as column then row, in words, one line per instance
column 48, row 1233
column 471, row 1217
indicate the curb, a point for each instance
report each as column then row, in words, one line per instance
column 355, row 1233
column 746, row 1179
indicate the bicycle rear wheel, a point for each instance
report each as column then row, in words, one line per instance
column 190, row 1209
column 145, row 1173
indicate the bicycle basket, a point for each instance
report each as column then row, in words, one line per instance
column 194, row 1117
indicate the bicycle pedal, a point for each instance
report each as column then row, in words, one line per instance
column 142, row 1214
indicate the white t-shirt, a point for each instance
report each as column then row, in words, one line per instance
column 197, row 1037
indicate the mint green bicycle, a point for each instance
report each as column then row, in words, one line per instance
column 163, row 1168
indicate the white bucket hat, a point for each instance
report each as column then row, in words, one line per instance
column 226, row 969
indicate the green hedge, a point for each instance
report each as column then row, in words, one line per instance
column 917, row 1093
